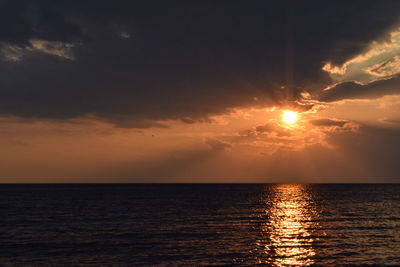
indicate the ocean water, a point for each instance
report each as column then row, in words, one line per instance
column 199, row 225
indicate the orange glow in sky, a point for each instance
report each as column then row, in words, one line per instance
column 290, row 117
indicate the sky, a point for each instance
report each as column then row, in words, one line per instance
column 199, row 91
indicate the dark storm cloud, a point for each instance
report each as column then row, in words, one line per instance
column 21, row 21
column 353, row 90
column 141, row 62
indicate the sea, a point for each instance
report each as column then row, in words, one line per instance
column 199, row 224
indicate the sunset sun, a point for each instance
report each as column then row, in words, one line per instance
column 290, row 117
column 200, row 133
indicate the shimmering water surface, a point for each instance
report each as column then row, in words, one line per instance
column 194, row 225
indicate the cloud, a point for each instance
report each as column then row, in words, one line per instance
column 187, row 61
column 16, row 53
column 273, row 137
column 328, row 122
column 391, row 121
column 335, row 125
column 267, row 130
column 380, row 60
column 216, row 144
column 354, row 90
column 53, row 48
column 388, row 68
column 125, row 35
column 272, row 129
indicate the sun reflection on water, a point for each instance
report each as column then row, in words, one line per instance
column 289, row 227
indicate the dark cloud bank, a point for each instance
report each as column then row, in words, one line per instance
column 328, row 122
column 353, row 90
column 136, row 63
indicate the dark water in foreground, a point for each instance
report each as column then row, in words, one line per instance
column 136, row 225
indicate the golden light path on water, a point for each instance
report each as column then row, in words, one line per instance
column 290, row 225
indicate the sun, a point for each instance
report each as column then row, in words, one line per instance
column 290, row 117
